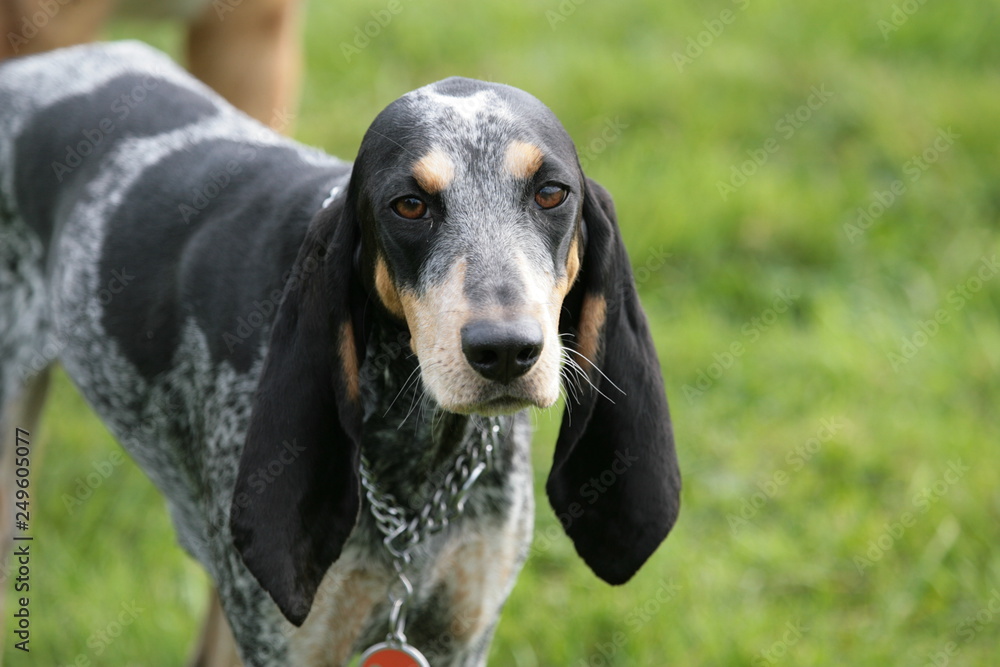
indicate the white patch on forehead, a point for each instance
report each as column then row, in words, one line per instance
column 471, row 106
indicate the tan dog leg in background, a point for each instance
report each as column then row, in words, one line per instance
column 216, row 648
column 250, row 51
column 33, row 26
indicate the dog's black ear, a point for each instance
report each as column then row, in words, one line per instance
column 615, row 483
column 297, row 491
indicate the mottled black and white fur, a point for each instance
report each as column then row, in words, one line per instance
column 247, row 316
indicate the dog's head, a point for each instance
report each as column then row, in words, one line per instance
column 469, row 197
column 469, row 221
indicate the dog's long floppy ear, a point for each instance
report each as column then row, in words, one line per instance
column 297, row 491
column 615, row 483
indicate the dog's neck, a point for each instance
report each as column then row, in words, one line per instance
column 405, row 432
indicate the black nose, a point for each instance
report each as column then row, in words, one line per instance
column 502, row 350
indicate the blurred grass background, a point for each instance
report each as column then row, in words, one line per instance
column 841, row 500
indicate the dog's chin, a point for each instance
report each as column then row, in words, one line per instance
column 498, row 403
column 497, row 407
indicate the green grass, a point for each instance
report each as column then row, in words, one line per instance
column 841, row 441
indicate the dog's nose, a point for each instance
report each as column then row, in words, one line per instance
column 502, row 350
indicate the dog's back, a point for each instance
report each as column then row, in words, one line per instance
column 46, row 163
column 138, row 213
column 162, row 175
column 165, row 182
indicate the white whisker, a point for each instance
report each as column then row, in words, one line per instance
column 596, row 368
column 402, row 389
column 573, row 364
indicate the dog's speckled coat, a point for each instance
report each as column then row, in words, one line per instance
column 245, row 335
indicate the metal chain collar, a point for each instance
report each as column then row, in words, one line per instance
column 401, row 535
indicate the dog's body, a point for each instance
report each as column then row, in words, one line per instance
column 239, row 313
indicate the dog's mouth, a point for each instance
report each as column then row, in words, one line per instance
column 495, row 407
column 496, row 400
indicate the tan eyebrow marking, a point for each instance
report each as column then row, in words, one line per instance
column 434, row 172
column 522, row 159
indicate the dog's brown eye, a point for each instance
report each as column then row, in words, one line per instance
column 550, row 196
column 410, row 208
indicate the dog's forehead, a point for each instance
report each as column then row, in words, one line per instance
column 461, row 113
column 486, row 126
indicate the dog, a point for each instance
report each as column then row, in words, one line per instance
column 292, row 346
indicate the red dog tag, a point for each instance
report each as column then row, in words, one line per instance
column 390, row 655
